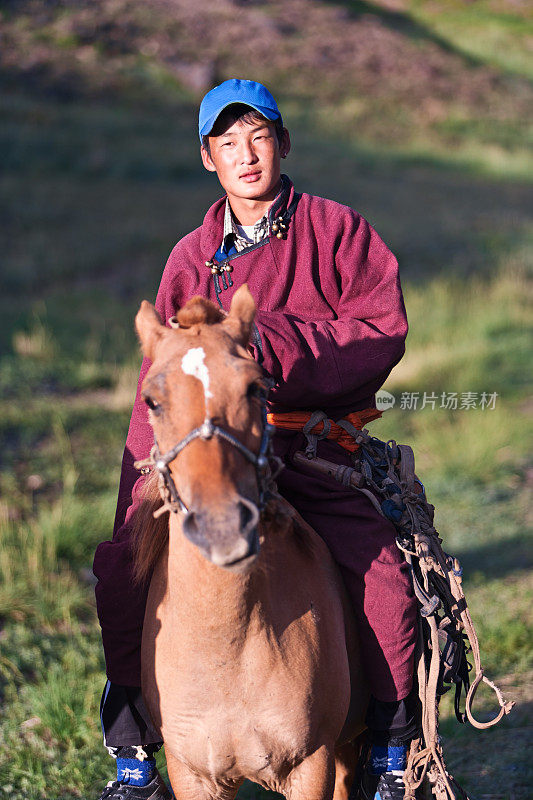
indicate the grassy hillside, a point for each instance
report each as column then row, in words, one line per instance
column 446, row 80
column 101, row 176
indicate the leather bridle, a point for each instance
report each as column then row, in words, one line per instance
column 207, row 430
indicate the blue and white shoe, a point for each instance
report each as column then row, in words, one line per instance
column 156, row 789
column 388, row 786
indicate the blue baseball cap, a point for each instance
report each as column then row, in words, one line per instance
column 249, row 93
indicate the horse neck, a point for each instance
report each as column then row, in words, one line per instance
column 209, row 597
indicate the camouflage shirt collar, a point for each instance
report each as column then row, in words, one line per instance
column 260, row 230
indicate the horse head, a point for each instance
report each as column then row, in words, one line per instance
column 205, row 395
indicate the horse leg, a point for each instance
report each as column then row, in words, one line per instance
column 346, row 758
column 314, row 778
column 188, row 786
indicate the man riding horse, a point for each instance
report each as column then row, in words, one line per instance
column 330, row 327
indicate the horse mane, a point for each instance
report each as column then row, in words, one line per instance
column 149, row 535
column 198, row 311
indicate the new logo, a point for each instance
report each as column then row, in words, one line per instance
column 384, row 400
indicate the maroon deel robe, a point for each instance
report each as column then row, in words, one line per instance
column 332, row 324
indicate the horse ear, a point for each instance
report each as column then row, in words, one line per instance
column 241, row 315
column 149, row 328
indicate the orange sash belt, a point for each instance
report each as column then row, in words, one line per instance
column 295, row 421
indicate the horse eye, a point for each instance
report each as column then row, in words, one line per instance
column 152, row 405
column 255, row 390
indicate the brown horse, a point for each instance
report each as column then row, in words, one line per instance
column 250, row 661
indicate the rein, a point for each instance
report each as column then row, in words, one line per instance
column 172, row 500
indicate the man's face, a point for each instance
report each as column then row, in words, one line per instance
column 246, row 157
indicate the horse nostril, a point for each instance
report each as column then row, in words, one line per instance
column 227, row 538
column 249, row 516
column 190, row 528
column 245, row 516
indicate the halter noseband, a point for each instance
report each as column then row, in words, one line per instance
column 167, row 488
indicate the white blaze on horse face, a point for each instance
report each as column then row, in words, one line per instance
column 192, row 363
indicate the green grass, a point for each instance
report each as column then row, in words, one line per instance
column 492, row 32
column 498, row 34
